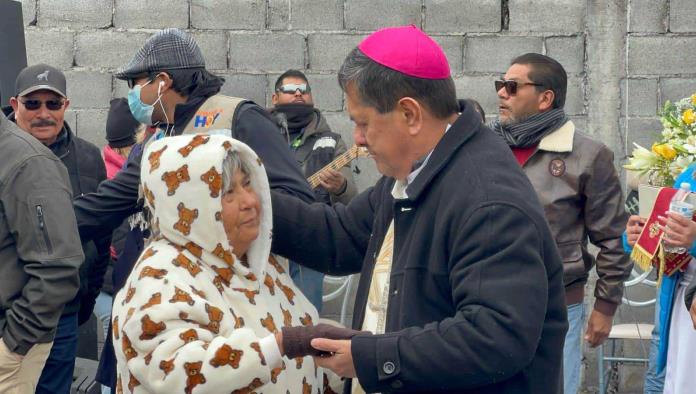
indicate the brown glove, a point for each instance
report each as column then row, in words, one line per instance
column 297, row 340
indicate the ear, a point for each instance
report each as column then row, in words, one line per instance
column 14, row 103
column 546, row 100
column 66, row 105
column 274, row 99
column 412, row 113
column 165, row 82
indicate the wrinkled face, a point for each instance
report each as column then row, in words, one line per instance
column 43, row 123
column 295, row 96
column 241, row 213
column 513, row 109
column 384, row 136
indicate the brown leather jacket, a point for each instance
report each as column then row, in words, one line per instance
column 577, row 184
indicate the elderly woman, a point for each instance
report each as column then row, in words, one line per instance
column 203, row 307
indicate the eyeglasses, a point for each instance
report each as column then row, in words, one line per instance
column 511, row 86
column 34, row 104
column 291, row 88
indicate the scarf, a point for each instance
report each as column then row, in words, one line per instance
column 531, row 130
column 298, row 115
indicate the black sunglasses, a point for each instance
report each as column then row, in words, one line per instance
column 291, row 88
column 511, row 86
column 34, row 104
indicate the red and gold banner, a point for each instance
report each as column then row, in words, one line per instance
column 648, row 250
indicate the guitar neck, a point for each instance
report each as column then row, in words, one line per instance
column 338, row 163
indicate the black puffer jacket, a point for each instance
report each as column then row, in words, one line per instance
column 86, row 170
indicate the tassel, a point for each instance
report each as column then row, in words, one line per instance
column 641, row 257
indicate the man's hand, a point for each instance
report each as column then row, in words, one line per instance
column 679, row 231
column 633, row 228
column 692, row 311
column 341, row 363
column 598, row 328
column 333, row 181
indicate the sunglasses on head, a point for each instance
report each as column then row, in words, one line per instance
column 511, row 86
column 291, row 88
column 34, row 104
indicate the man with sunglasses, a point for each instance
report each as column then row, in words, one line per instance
column 39, row 109
column 575, row 179
column 40, row 250
column 315, row 146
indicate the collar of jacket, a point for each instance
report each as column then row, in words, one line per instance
column 464, row 128
column 560, row 140
column 316, row 126
column 61, row 146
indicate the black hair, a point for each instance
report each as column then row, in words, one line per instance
column 547, row 72
column 187, row 80
column 477, row 107
column 382, row 87
column 290, row 74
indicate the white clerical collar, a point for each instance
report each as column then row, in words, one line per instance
column 399, row 189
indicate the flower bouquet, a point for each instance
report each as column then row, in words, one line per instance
column 676, row 150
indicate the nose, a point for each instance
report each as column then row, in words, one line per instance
column 359, row 137
column 502, row 93
column 248, row 199
column 298, row 93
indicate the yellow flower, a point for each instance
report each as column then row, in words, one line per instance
column 689, row 117
column 693, row 99
column 664, row 150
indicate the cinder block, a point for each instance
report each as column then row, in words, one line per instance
column 305, row 14
column 681, row 16
column 50, row 46
column 575, row 96
column 326, row 92
column 71, row 119
column 138, row 14
column 119, row 88
column 228, row 14
column 661, row 55
column 494, row 53
column 479, row 88
column 569, row 51
column 248, row 86
column 340, row 123
column 29, row 12
column 567, row 16
column 643, row 131
column 327, row 51
column 675, row 89
column 647, row 16
column 376, row 14
column 453, row 46
column 107, row 49
column 88, row 89
column 266, row 52
column 462, row 16
column 77, row 14
column 214, row 46
column 91, row 125
column 640, row 95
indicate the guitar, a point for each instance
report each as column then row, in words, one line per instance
column 346, row 157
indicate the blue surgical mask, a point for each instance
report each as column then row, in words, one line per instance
column 142, row 112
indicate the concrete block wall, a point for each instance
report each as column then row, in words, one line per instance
column 624, row 58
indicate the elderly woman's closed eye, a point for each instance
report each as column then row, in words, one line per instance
column 203, row 309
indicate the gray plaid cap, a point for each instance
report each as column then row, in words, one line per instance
column 169, row 49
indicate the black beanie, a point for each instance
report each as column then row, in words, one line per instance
column 121, row 126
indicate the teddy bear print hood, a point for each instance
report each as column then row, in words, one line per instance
column 182, row 184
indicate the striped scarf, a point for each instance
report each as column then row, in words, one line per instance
column 530, row 131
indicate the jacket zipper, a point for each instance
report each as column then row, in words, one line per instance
column 42, row 227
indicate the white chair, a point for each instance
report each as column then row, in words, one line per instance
column 637, row 331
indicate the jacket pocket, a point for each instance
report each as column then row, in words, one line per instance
column 42, row 228
column 570, row 251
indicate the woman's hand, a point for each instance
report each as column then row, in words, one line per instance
column 633, row 229
column 679, row 231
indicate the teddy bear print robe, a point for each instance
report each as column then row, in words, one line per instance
column 192, row 317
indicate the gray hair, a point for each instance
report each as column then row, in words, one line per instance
column 381, row 87
column 230, row 165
